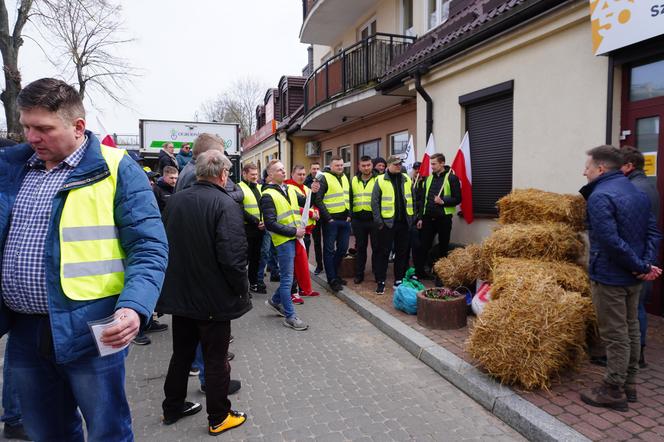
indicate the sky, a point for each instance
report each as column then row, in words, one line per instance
column 188, row 52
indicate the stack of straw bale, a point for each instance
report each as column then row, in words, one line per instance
column 537, row 322
column 462, row 266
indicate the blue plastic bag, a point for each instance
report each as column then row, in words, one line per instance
column 405, row 296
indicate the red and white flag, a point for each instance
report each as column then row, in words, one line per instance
column 108, row 141
column 425, row 167
column 463, row 171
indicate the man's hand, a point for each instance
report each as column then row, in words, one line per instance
column 300, row 232
column 122, row 333
column 654, row 273
column 419, row 224
column 261, row 225
column 438, row 200
column 348, row 219
column 315, row 186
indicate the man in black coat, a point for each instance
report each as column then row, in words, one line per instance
column 205, row 288
column 165, row 187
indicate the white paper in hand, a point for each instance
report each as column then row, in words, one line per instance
column 97, row 328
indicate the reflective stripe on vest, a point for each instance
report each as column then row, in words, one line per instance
column 310, row 220
column 447, row 191
column 92, row 261
column 249, row 201
column 337, row 197
column 387, row 196
column 288, row 212
column 362, row 194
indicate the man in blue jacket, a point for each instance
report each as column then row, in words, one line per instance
column 624, row 238
column 81, row 239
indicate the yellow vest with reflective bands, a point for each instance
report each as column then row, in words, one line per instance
column 310, row 220
column 337, row 197
column 92, row 261
column 447, row 191
column 387, row 203
column 249, row 202
column 362, row 194
column 288, row 212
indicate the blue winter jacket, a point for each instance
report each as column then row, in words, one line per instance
column 141, row 234
column 623, row 232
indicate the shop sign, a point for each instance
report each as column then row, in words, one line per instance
column 619, row 23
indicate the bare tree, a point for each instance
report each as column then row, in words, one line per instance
column 237, row 104
column 85, row 36
column 10, row 43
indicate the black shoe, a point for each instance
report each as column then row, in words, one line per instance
column 630, row 392
column 233, row 387
column 318, row 270
column 261, row 288
column 230, row 355
column 188, row 409
column 396, row 284
column 598, row 360
column 642, row 358
column 156, row 326
column 335, row 286
column 253, row 288
column 380, row 288
column 342, row 281
column 141, row 340
column 352, row 252
column 15, row 432
column 274, row 277
column 358, row 280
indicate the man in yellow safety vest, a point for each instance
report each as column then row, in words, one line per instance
column 362, row 222
column 253, row 223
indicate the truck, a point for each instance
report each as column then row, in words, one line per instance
column 153, row 134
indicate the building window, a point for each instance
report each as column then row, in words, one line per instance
column 345, row 154
column 367, row 30
column 407, row 17
column 489, row 122
column 327, row 158
column 647, row 81
column 370, row 149
column 437, row 12
column 398, row 143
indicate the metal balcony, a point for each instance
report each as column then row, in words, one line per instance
column 353, row 69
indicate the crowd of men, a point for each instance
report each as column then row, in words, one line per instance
column 85, row 238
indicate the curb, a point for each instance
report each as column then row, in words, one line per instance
column 529, row 420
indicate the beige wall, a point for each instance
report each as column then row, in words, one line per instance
column 257, row 154
column 559, row 102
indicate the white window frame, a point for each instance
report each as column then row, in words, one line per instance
column 410, row 31
column 366, row 25
column 327, row 157
column 391, row 141
column 442, row 13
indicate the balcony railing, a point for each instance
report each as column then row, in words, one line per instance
column 306, row 7
column 355, row 67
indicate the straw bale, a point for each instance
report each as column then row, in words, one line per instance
column 548, row 242
column 512, row 276
column 462, row 266
column 528, row 341
column 526, row 206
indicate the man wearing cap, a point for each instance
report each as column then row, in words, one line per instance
column 394, row 213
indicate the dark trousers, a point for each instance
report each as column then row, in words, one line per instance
column 399, row 238
column 335, row 235
column 364, row 232
column 431, row 227
column 214, row 337
column 255, row 241
column 318, row 244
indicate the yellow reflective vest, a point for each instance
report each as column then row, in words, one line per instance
column 387, row 202
column 447, row 191
column 249, row 201
column 92, row 261
column 288, row 212
column 362, row 194
column 337, row 197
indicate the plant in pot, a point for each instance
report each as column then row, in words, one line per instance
column 441, row 308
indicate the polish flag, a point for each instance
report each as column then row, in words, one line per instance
column 425, row 167
column 462, row 169
column 108, row 141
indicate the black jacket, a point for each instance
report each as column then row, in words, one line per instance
column 326, row 216
column 433, row 209
column 269, row 211
column 645, row 185
column 166, row 160
column 206, row 277
column 162, row 192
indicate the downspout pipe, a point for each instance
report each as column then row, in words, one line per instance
column 276, row 137
column 609, row 102
column 429, row 102
column 290, row 147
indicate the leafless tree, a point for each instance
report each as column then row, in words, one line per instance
column 85, row 36
column 10, row 43
column 237, row 104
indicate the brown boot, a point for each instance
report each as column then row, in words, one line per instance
column 606, row 396
column 630, row 392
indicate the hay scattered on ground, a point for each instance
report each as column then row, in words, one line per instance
column 513, row 276
column 548, row 242
column 527, row 341
column 462, row 266
column 527, row 206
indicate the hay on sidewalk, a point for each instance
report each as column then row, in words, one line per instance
column 462, row 266
column 548, row 242
column 513, row 276
column 527, row 341
column 528, row 206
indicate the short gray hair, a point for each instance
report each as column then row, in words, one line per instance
column 210, row 164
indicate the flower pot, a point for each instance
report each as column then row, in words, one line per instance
column 441, row 314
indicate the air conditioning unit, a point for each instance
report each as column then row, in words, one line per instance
column 312, row 148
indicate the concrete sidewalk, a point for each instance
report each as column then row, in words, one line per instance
column 557, row 414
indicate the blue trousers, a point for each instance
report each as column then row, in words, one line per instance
column 335, row 233
column 52, row 394
column 268, row 257
column 286, row 258
column 10, row 401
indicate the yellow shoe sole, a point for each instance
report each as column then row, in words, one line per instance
column 231, row 421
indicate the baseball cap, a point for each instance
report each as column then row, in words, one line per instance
column 394, row 159
column 135, row 155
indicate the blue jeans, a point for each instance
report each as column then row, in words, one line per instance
column 268, row 257
column 644, row 298
column 51, row 394
column 336, row 232
column 286, row 258
column 10, row 402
